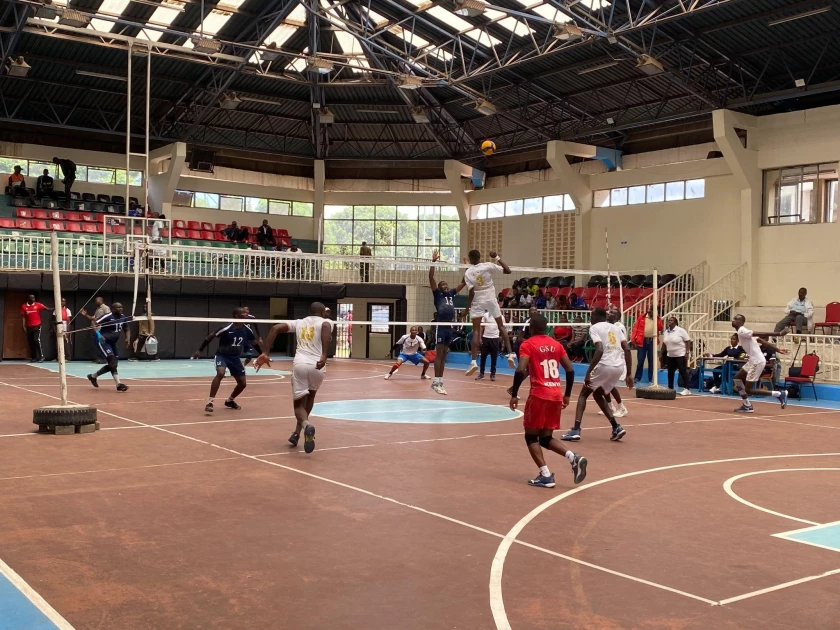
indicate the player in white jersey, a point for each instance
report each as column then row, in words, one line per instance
column 609, row 363
column 614, row 317
column 751, row 371
column 313, row 334
column 482, row 299
column 412, row 350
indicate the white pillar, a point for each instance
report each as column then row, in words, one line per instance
column 453, row 171
column 162, row 185
column 577, row 186
column 318, row 204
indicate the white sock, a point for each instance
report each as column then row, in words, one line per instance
column 776, row 394
column 473, row 362
column 116, row 377
column 437, row 379
column 544, row 471
column 210, row 401
column 570, row 456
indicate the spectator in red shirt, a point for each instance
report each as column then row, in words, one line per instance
column 31, row 313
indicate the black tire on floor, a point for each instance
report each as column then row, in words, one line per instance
column 656, row 393
column 58, row 416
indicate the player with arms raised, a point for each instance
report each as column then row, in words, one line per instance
column 313, row 334
column 444, row 298
column 482, row 299
column 540, row 358
column 751, row 371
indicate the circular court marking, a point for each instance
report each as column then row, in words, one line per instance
column 413, row 411
column 497, row 604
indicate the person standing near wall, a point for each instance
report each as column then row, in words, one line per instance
column 645, row 337
column 68, row 169
column 676, row 345
column 31, row 313
column 63, row 315
column 364, row 268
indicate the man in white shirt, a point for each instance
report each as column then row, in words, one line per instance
column 751, row 371
column 799, row 313
column 157, row 226
column 614, row 318
column 482, row 299
column 676, row 344
column 609, row 363
column 64, row 315
column 489, row 345
column 313, row 334
column 412, row 350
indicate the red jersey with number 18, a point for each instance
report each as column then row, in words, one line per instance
column 544, row 356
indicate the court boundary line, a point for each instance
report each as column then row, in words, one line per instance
column 104, row 470
column 34, row 598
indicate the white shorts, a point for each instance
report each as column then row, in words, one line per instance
column 482, row 304
column 305, row 378
column 606, row 376
column 754, row 369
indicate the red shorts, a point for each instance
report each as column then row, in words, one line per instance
column 542, row 414
column 431, row 355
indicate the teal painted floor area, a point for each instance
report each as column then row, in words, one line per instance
column 825, row 536
column 17, row 612
column 173, row 368
column 408, row 411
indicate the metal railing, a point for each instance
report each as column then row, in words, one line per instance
column 674, row 293
column 713, row 302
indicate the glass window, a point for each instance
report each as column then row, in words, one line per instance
column 206, row 200
column 362, row 232
column 450, row 233
column 7, row 164
column 655, row 193
column 101, row 175
column 481, row 211
column 408, row 212
column 364, row 213
column 602, row 198
column 495, row 210
column 513, row 208
column 695, row 189
column 674, row 191
column 338, row 232
column 831, row 202
column 406, row 251
column 618, row 197
column 81, row 173
column 449, row 212
column 636, row 194
column 279, row 207
column 568, row 204
column 231, row 203
column 553, row 203
column 380, row 313
column 334, row 212
column 255, row 204
column 385, row 212
column 302, row 209
column 183, row 198
column 36, row 169
column 407, row 232
column 533, row 206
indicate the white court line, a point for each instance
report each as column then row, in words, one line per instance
column 39, row 602
column 802, row 424
column 727, row 487
column 787, row 535
column 497, row 605
column 779, row 587
column 103, row 470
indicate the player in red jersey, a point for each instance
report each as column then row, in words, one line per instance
column 540, row 358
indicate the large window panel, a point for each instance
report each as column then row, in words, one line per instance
column 533, row 206
column 362, row 232
column 255, row 204
column 496, row 210
column 364, row 213
column 618, row 197
column 481, row 211
column 656, row 193
column 450, row 233
column 338, row 232
column 553, row 203
column 831, row 202
column 513, row 208
column 636, row 194
column 100, row 175
column 568, row 204
column 407, row 251
column 674, row 191
column 282, row 208
column 407, row 233
column 695, row 189
column 232, row 203
column 449, row 213
column 602, row 198
column 302, row 209
column 206, row 200
column 385, row 212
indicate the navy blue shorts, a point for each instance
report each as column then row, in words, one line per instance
column 444, row 335
column 108, row 349
column 234, row 364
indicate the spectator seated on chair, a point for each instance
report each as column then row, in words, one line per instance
column 576, row 303
column 732, row 351
column 265, row 235
column 525, row 299
column 44, row 185
column 134, row 210
column 562, row 303
column 17, row 185
column 551, row 302
column 539, row 300
column 563, row 334
column 235, row 234
column 799, row 313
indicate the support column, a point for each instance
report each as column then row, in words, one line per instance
column 318, row 205
column 576, row 186
column 744, row 165
column 454, row 171
column 162, row 185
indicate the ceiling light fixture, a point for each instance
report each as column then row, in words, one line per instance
column 321, row 66
column 602, row 66
column 568, row 32
column 101, row 75
column 206, row 45
column 485, row 107
column 409, row 82
column 18, row 68
column 469, row 8
column 230, row 101
column 610, row 121
column 797, row 16
column 799, row 83
column 326, row 117
column 269, row 53
column 71, row 17
column 648, row 65
column 46, row 12
column 420, row 115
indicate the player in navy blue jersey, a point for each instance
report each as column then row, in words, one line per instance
column 108, row 330
column 445, row 306
column 233, row 339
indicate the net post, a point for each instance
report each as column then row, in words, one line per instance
column 654, row 359
column 59, row 332
column 137, row 264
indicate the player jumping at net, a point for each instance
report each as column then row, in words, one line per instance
column 233, row 339
column 614, row 317
column 445, row 306
column 540, row 358
column 482, row 299
column 258, row 339
column 313, row 334
column 412, row 350
column 751, row 371
column 610, row 363
column 108, row 329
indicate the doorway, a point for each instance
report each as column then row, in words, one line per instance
column 14, row 337
column 380, row 338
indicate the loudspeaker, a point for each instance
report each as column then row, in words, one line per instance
column 202, row 160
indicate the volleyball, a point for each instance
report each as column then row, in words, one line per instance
column 488, row 147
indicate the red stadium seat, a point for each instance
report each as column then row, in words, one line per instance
column 118, row 229
column 181, row 225
column 23, row 224
column 88, row 217
column 72, row 216
column 220, row 226
column 89, row 228
column 284, row 242
column 164, row 233
column 98, row 228
column 179, row 233
column 74, row 227
column 23, row 213
column 194, row 234
column 39, row 224
column 39, row 213
column 631, row 294
column 208, row 235
column 548, row 291
column 57, row 226
column 7, row 223
column 589, row 294
column 194, row 225
column 207, row 227
column 281, row 232
column 56, row 215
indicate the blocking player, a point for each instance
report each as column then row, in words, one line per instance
column 445, row 307
column 540, row 358
column 482, row 299
column 314, row 334
column 233, row 338
column 606, row 368
column 412, row 351
column 107, row 329
column 614, row 317
column 751, row 371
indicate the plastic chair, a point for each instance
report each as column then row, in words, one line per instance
column 194, row 235
column 89, row 228
column 207, row 227
column 88, row 197
column 181, row 225
column 118, row 229
column 832, row 318
column 194, row 225
column 208, row 235
column 23, row 213
column 88, row 217
column 176, row 233
column 7, row 223
column 23, row 224
column 56, row 226
column 103, row 198
column 74, row 227
column 39, row 224
column 807, row 374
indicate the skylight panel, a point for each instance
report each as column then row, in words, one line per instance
column 163, row 16
column 111, row 8
column 550, row 13
column 508, row 22
column 351, row 47
column 215, row 20
column 281, row 34
column 462, row 26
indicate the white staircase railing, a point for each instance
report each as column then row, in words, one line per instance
column 715, row 300
column 673, row 293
